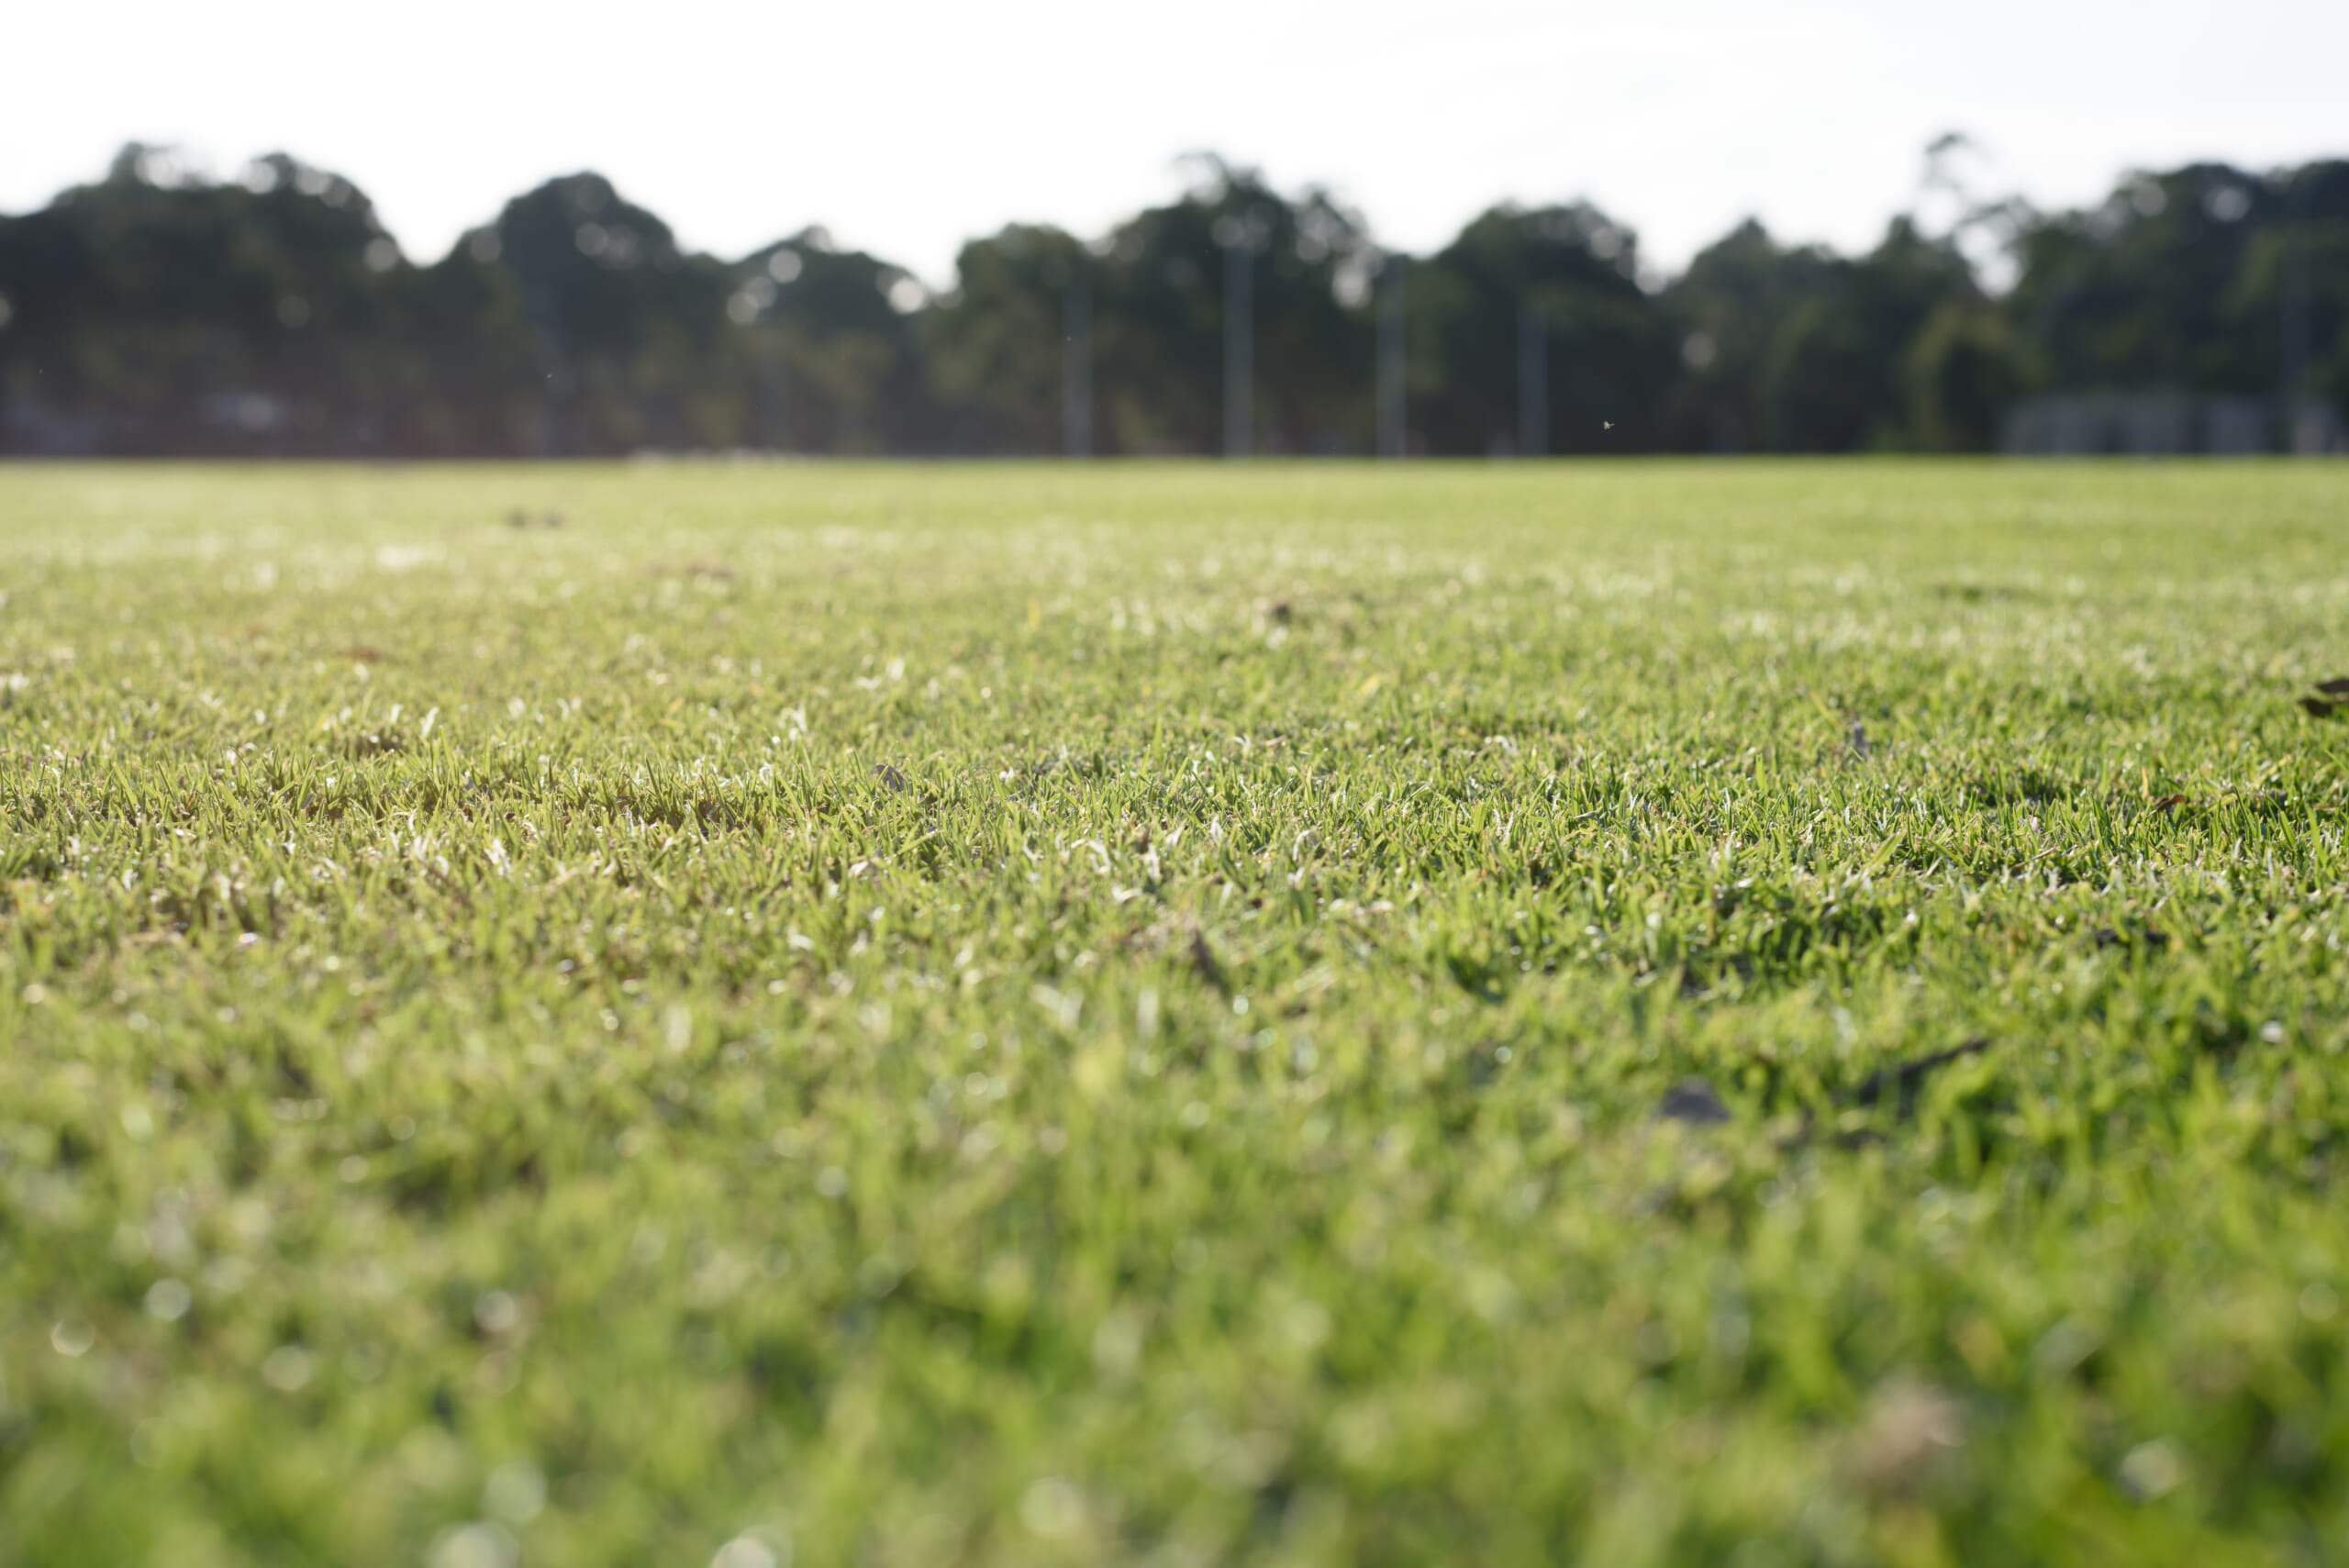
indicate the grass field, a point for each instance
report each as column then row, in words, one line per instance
column 1083, row 1015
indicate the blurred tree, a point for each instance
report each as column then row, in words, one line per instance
column 2207, row 279
column 471, row 386
column 156, row 311
column 1572, row 273
column 995, row 341
column 269, row 315
column 1963, row 368
column 2297, row 275
column 2283, row 313
column 2133, row 294
column 1831, row 379
column 631, row 333
column 839, row 368
column 1723, row 310
column 1158, row 313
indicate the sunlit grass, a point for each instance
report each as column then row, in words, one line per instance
column 1024, row 1015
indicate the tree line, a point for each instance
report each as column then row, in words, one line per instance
column 150, row 312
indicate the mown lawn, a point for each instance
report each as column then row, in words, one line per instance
column 1024, row 1015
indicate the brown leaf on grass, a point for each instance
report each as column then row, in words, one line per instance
column 891, row 779
column 2320, row 707
column 2170, row 803
column 2338, row 687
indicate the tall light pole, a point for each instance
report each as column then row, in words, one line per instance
column 1393, row 413
column 771, row 389
column 2292, row 289
column 1076, row 372
column 783, row 267
column 1238, row 239
column 1532, row 381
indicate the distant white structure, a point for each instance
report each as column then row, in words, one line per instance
column 2169, row 425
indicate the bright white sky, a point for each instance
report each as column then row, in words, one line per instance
column 909, row 126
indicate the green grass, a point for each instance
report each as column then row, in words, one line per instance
column 1083, row 1015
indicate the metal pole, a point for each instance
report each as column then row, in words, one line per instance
column 773, row 391
column 1532, row 381
column 1076, row 372
column 1393, row 412
column 2292, row 287
column 1238, row 345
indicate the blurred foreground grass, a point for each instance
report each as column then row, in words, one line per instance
column 1027, row 1016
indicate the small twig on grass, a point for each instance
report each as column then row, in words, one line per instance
column 1202, row 961
column 2332, row 697
column 1908, row 1076
column 1695, row 1102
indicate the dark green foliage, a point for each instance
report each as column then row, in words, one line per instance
column 841, row 369
column 2180, row 281
column 273, row 316
column 1829, row 379
column 1159, row 301
column 997, row 345
column 1607, row 355
column 152, row 314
